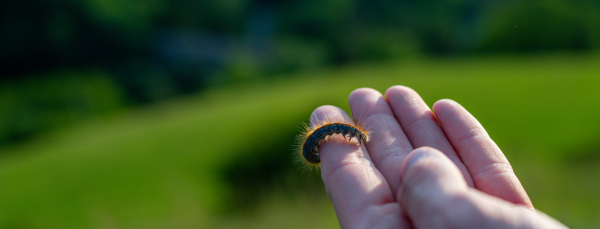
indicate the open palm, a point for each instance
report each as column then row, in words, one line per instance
column 371, row 188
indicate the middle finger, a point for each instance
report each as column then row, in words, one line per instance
column 420, row 125
column 388, row 145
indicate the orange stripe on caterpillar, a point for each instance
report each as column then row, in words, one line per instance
column 312, row 138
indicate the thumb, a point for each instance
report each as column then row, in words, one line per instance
column 429, row 181
column 434, row 194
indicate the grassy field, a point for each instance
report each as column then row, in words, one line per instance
column 222, row 158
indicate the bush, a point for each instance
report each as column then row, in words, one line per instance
column 42, row 102
column 537, row 25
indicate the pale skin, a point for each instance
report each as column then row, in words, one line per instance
column 416, row 173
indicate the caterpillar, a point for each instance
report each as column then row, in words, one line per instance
column 311, row 138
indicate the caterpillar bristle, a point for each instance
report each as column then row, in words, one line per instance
column 317, row 133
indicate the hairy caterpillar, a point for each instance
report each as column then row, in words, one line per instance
column 311, row 138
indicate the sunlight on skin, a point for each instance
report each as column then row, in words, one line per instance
column 385, row 183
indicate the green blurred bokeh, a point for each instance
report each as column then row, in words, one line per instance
column 182, row 114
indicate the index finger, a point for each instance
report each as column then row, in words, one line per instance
column 356, row 188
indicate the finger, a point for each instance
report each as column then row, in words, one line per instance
column 357, row 190
column 489, row 168
column 428, row 182
column 434, row 195
column 420, row 125
column 429, row 179
column 388, row 145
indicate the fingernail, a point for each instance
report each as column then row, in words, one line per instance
column 413, row 158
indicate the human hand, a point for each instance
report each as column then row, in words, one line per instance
column 458, row 178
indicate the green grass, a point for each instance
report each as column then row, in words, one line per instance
column 192, row 162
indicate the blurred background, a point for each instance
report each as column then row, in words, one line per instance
column 182, row 113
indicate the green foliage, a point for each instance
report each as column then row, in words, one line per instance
column 34, row 105
column 375, row 44
column 222, row 15
column 538, row 25
column 157, row 49
column 192, row 162
column 295, row 53
column 131, row 19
